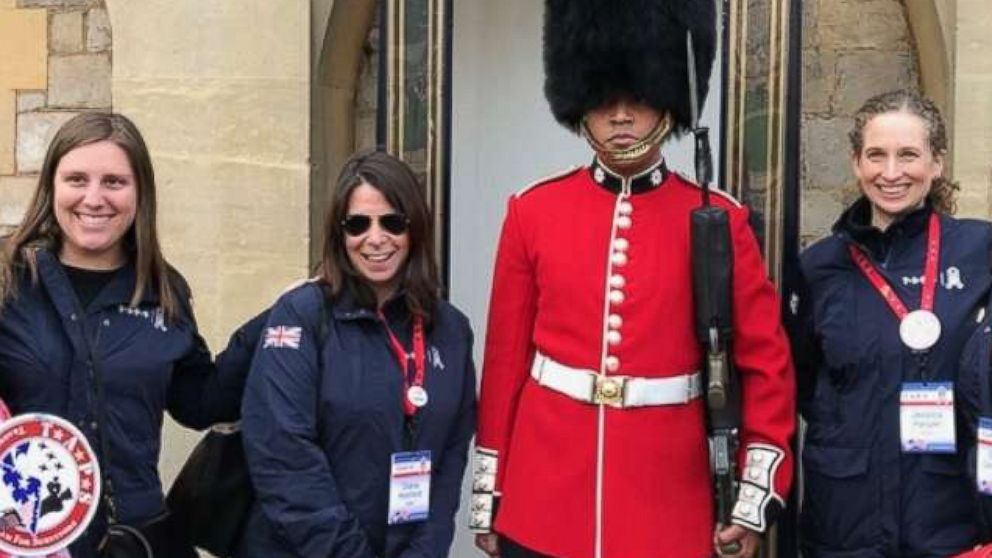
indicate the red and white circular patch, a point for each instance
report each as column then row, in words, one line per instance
column 49, row 484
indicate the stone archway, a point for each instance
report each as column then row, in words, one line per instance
column 337, row 70
column 928, row 22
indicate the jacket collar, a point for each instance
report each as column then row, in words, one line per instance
column 855, row 226
column 347, row 307
column 118, row 291
column 644, row 181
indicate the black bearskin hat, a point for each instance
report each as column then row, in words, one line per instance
column 596, row 49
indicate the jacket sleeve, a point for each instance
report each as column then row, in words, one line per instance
column 292, row 477
column 974, row 392
column 508, row 353
column 433, row 538
column 203, row 391
column 768, row 404
column 806, row 353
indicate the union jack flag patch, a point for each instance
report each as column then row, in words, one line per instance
column 282, row 337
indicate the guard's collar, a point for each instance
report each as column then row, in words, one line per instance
column 644, row 181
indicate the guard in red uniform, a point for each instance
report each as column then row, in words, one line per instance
column 592, row 434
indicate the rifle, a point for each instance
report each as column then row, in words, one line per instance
column 712, row 268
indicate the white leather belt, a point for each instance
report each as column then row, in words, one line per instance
column 616, row 391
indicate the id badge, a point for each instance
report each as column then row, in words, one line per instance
column 926, row 417
column 409, row 487
column 984, row 461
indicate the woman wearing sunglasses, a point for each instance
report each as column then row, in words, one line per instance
column 361, row 399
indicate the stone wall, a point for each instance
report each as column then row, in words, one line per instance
column 220, row 91
column 852, row 49
column 74, row 41
column 972, row 129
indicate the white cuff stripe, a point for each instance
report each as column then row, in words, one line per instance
column 483, row 487
column 757, row 488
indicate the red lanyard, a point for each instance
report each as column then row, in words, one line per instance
column 419, row 359
column 929, row 277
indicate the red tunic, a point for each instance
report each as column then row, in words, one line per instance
column 578, row 480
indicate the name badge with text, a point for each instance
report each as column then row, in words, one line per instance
column 984, row 461
column 926, row 417
column 409, row 487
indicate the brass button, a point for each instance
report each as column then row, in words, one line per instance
column 612, row 363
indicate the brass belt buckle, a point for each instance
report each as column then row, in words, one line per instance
column 609, row 390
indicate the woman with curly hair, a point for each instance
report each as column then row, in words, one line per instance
column 885, row 307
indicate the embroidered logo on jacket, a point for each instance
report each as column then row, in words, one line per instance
column 794, row 304
column 282, row 337
column 153, row 315
column 434, row 356
column 950, row 279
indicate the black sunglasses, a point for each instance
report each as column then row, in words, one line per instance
column 393, row 223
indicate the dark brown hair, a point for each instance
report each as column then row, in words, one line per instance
column 943, row 192
column 419, row 282
column 39, row 228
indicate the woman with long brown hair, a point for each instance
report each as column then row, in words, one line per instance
column 360, row 403
column 97, row 328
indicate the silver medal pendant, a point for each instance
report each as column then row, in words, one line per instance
column 417, row 396
column 920, row 330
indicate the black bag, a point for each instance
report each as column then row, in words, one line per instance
column 124, row 541
column 161, row 537
column 212, row 496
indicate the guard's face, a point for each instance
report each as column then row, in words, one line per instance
column 95, row 200
column 376, row 239
column 896, row 167
column 622, row 122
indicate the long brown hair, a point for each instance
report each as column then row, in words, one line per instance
column 419, row 282
column 943, row 191
column 39, row 228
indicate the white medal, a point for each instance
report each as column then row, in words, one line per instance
column 920, row 330
column 417, row 396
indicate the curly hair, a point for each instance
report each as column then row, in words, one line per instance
column 943, row 191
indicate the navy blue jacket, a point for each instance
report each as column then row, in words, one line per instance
column 320, row 421
column 863, row 496
column 146, row 365
column 975, row 385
